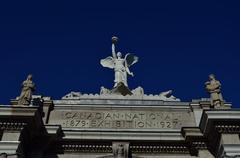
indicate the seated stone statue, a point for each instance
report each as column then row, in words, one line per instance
column 167, row 96
column 139, row 91
column 72, row 95
column 104, row 91
column 28, row 87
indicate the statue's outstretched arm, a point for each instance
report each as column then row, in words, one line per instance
column 128, row 71
column 113, row 51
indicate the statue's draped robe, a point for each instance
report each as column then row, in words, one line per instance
column 214, row 88
column 120, row 72
column 26, row 93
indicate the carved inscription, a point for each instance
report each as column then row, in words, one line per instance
column 125, row 119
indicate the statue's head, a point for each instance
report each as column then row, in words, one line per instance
column 29, row 77
column 211, row 77
column 119, row 54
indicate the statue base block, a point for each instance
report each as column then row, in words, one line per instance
column 121, row 89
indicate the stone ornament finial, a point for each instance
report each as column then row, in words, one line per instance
column 213, row 87
column 28, row 87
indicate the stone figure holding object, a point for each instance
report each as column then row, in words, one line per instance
column 213, row 87
column 28, row 87
column 119, row 64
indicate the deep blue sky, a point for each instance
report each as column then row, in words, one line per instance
column 178, row 43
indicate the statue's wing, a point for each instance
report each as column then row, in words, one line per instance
column 108, row 62
column 130, row 59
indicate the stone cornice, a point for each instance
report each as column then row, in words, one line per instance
column 9, row 147
column 17, row 117
column 173, row 149
column 125, row 102
column 212, row 118
column 14, row 111
column 121, row 135
column 80, row 96
column 139, row 147
column 229, row 151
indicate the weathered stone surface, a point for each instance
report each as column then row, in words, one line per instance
column 123, row 118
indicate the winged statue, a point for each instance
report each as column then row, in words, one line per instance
column 119, row 64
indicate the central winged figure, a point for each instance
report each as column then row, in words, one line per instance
column 119, row 64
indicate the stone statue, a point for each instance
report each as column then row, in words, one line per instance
column 28, row 87
column 121, row 150
column 119, row 64
column 167, row 96
column 104, row 91
column 139, row 91
column 72, row 95
column 213, row 86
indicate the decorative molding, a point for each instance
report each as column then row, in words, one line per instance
column 86, row 148
column 199, row 145
column 16, row 110
column 179, row 149
column 12, row 125
column 123, row 135
column 229, row 129
column 137, row 94
column 219, row 118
